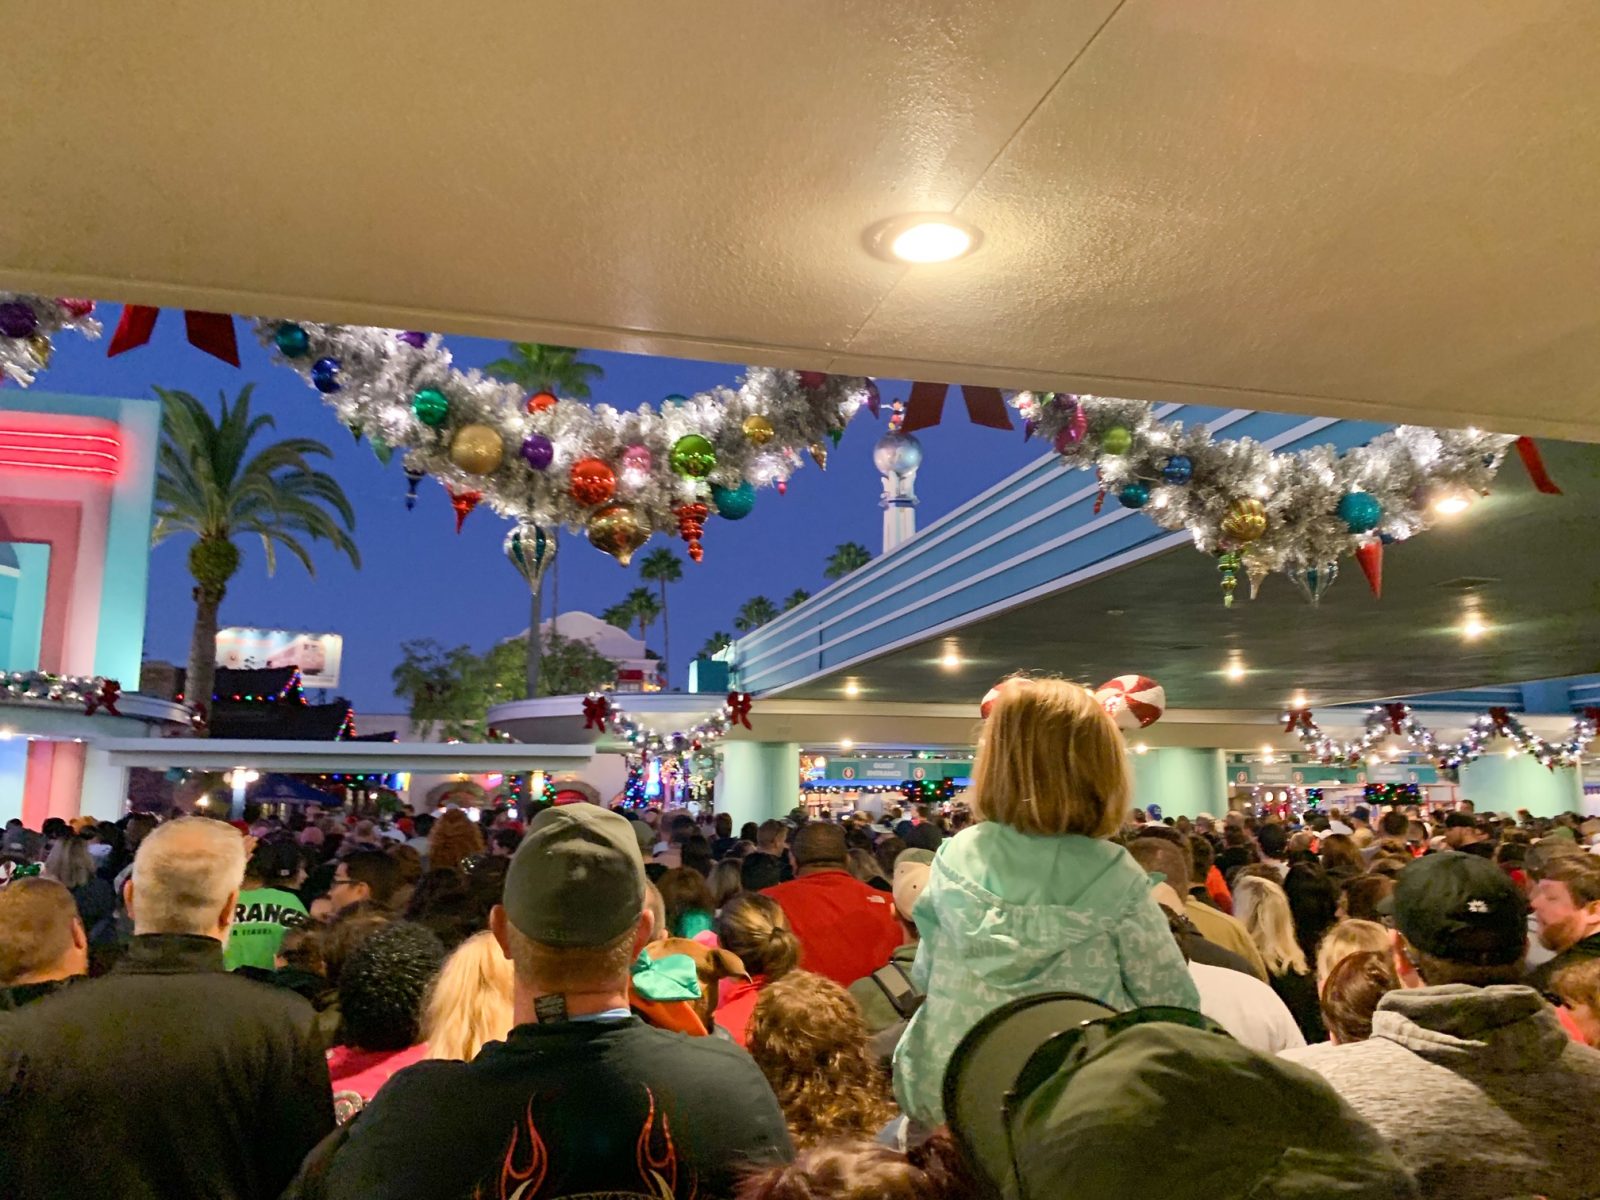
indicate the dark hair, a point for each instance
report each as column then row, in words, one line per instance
column 274, row 861
column 1361, row 896
column 507, row 839
column 422, row 824
column 354, row 925
column 925, row 836
column 1273, row 840
column 760, row 870
column 1394, row 824
column 696, row 855
column 1314, row 904
column 1202, row 857
column 820, row 843
column 748, row 831
column 680, row 829
column 683, row 891
column 377, row 870
column 862, row 1170
column 1341, row 855
column 1351, row 992
column 886, row 850
column 383, row 986
column 723, row 824
column 770, row 830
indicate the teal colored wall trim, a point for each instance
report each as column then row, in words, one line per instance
column 1495, row 783
column 1184, row 782
column 27, row 614
column 759, row 780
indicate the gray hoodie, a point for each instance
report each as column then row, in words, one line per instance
column 1479, row 1090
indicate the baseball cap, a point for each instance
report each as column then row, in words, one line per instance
column 1460, row 908
column 911, row 871
column 577, row 879
column 645, row 835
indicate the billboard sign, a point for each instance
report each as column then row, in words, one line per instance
column 317, row 655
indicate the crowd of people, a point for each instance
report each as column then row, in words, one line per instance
column 1045, row 994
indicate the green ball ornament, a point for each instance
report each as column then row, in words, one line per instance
column 292, row 341
column 1116, row 440
column 693, row 456
column 430, row 406
column 734, row 504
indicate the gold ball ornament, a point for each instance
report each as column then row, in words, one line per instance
column 819, row 454
column 1246, row 520
column 39, row 346
column 758, row 430
column 619, row 531
column 477, row 449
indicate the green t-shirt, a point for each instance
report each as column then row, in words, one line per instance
column 258, row 927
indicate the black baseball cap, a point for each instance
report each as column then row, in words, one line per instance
column 577, row 879
column 1461, row 908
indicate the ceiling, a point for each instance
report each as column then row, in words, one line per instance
column 1534, row 582
column 1360, row 209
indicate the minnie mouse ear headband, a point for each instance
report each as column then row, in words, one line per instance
column 993, row 694
column 1132, row 701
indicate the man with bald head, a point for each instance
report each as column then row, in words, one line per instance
column 846, row 929
column 178, row 1078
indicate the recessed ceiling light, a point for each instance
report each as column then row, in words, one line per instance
column 852, row 688
column 1452, row 503
column 951, row 661
column 1141, row 747
column 1473, row 627
column 922, row 238
column 845, row 743
column 1298, row 700
column 1235, row 670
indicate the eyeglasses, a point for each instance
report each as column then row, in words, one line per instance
column 1063, row 1054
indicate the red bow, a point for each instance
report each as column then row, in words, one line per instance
column 595, row 711
column 1500, row 716
column 106, row 698
column 208, row 331
column 198, row 721
column 925, row 406
column 1298, row 717
column 1592, row 715
column 1397, row 714
column 739, row 708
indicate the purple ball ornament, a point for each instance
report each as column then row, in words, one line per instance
column 414, row 338
column 874, row 397
column 17, row 319
column 538, row 451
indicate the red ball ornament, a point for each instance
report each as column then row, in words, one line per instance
column 593, row 482
column 812, row 380
column 77, row 309
column 540, row 401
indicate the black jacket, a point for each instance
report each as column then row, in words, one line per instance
column 167, row 1078
column 610, row 1108
column 1544, row 975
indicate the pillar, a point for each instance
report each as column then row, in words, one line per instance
column 1184, row 782
column 758, row 780
column 13, row 777
column 1495, row 783
column 55, row 781
column 105, row 787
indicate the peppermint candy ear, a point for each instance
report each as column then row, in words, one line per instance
column 993, row 694
column 1132, row 701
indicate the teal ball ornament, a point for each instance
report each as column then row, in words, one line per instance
column 1134, row 495
column 734, row 504
column 1360, row 511
column 430, row 406
column 292, row 340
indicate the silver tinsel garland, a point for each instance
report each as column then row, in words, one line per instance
column 24, row 355
column 1405, row 471
column 379, row 373
column 1397, row 720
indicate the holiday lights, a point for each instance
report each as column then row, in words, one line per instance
column 1386, row 720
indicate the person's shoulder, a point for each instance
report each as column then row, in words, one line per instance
column 669, row 1047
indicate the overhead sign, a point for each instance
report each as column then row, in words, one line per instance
column 318, row 655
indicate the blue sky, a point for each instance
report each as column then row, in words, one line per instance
column 419, row 579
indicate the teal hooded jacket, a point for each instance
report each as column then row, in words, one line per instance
column 1009, row 914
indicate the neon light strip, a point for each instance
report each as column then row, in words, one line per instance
column 70, row 467
column 59, row 450
column 77, row 453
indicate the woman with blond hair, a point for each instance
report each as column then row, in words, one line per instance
column 1263, row 907
column 809, row 1040
column 453, row 838
column 71, row 864
column 469, row 1004
column 1035, row 897
column 1346, row 938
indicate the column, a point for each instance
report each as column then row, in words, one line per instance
column 1184, row 782
column 758, row 780
column 105, row 787
column 1495, row 783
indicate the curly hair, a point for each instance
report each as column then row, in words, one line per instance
column 809, row 1039
column 454, row 837
column 861, row 1170
column 383, row 986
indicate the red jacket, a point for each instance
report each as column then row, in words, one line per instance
column 846, row 929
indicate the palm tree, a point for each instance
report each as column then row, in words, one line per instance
column 645, row 607
column 207, row 485
column 717, row 641
column 535, row 367
column 620, row 615
column 796, row 598
column 662, row 566
column 755, row 613
column 846, row 557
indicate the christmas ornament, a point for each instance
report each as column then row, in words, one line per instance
column 539, row 401
column 1116, row 440
column 211, row 332
column 1246, row 520
column 17, row 319
column 1314, row 582
column 430, row 406
column 77, row 309
column 414, row 338
column 835, row 436
column 464, row 503
column 757, row 429
column 381, row 450
column 1228, row 566
column 1360, row 511
column 477, row 449
column 734, row 504
column 1134, row 495
column 819, row 454
column 812, row 380
column 1074, row 427
column 692, row 525
column 593, row 482
column 783, row 488
column 325, row 375
column 924, row 407
column 39, row 346
column 1132, row 701
column 537, row 451
column 531, row 551
column 413, row 477
column 292, row 340
column 636, row 466
column 1178, row 469
column 1257, row 572
column 618, row 531
column 693, row 456
column 1370, row 556
column 874, row 397
column 993, row 694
